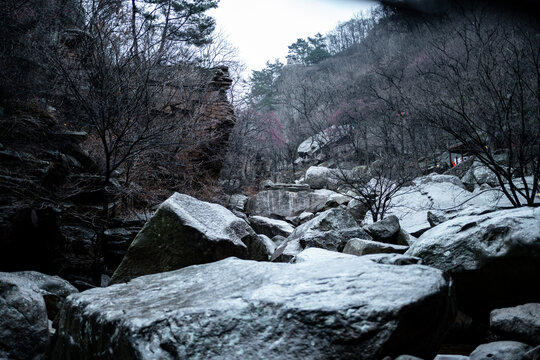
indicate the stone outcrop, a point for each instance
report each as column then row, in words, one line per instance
column 329, row 230
column 24, row 328
column 318, row 309
column 494, row 258
column 521, row 323
column 184, row 231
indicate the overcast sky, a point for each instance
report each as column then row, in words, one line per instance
column 263, row 29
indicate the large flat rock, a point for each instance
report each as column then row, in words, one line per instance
column 328, row 307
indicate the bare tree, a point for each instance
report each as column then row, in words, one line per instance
column 483, row 84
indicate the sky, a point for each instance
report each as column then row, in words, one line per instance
column 262, row 30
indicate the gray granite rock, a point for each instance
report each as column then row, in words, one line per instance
column 500, row 350
column 349, row 308
column 386, row 230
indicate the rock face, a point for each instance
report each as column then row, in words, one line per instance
column 494, row 259
column 500, row 350
column 24, row 328
column 320, row 309
column 520, row 323
column 386, row 230
column 184, row 231
column 270, row 227
column 364, row 247
column 284, row 203
column 330, row 230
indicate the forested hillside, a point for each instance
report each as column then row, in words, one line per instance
column 403, row 87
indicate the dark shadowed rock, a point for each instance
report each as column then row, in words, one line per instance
column 500, row 350
column 494, row 258
column 330, row 230
column 394, row 259
column 533, row 354
column 386, row 230
column 184, row 231
column 270, row 227
column 364, row 247
column 520, row 323
column 24, row 328
column 238, row 309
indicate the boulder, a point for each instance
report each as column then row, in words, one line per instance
column 321, row 309
column 500, row 350
column 330, row 230
column 441, row 178
column 386, row 230
column 494, row 258
column 281, row 203
column 185, row 231
column 521, row 323
column 480, row 174
column 364, row 247
column 270, row 227
column 24, row 328
column 54, row 289
column 320, row 177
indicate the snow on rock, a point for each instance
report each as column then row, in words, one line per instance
column 284, row 203
column 239, row 309
column 24, row 328
column 184, row 231
column 479, row 251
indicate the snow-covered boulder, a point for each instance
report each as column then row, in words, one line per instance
column 185, row 231
column 238, row 309
column 364, row 247
column 521, row 323
column 270, row 227
column 330, row 230
column 493, row 258
column 24, row 328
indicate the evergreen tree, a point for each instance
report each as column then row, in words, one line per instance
column 264, row 93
